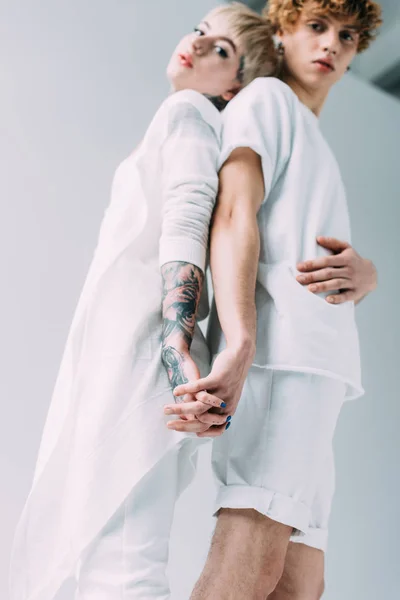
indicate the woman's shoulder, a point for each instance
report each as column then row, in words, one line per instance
column 190, row 104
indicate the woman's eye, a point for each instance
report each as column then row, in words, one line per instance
column 198, row 31
column 221, row 51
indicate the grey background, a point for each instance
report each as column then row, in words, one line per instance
column 80, row 83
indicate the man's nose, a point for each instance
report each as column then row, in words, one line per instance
column 330, row 42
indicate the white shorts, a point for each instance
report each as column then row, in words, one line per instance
column 277, row 455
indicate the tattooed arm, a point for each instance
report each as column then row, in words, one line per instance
column 182, row 283
column 189, row 187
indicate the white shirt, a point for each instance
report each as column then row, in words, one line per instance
column 304, row 198
column 109, row 394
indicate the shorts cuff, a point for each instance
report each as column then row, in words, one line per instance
column 274, row 505
column 314, row 537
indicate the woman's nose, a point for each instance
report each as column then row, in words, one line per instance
column 200, row 45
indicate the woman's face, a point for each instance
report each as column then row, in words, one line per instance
column 319, row 49
column 208, row 60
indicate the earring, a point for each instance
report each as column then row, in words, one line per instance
column 280, row 49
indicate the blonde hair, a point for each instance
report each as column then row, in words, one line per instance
column 255, row 35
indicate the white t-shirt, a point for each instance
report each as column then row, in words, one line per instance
column 304, row 198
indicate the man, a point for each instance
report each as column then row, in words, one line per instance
column 279, row 189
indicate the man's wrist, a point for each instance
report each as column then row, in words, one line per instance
column 244, row 347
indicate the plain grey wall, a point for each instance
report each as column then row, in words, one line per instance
column 80, row 83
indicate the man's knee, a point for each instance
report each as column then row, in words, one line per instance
column 255, row 537
column 296, row 591
column 303, row 574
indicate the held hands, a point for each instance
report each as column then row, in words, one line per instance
column 344, row 270
column 181, row 369
column 207, row 412
column 225, row 382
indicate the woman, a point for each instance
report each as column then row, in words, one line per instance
column 105, row 430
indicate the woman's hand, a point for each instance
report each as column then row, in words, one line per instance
column 225, row 382
column 182, row 369
column 345, row 270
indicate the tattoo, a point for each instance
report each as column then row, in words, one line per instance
column 182, row 283
column 173, row 362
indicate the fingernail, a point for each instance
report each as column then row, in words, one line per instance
column 312, row 288
column 227, row 427
column 168, row 411
column 229, row 418
column 223, row 405
column 301, row 278
column 330, row 299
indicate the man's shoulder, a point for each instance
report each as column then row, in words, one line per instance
column 268, row 92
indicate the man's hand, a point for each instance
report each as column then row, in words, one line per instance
column 345, row 270
column 181, row 369
column 225, row 382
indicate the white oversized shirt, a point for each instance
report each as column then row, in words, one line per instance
column 105, row 426
column 304, row 198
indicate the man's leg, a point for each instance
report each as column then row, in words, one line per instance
column 269, row 461
column 244, row 542
column 303, row 574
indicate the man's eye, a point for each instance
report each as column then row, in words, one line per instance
column 221, row 51
column 198, row 31
column 347, row 36
column 316, row 26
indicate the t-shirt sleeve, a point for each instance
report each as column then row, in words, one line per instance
column 259, row 118
column 190, row 154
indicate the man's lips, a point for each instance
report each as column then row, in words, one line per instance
column 186, row 60
column 325, row 63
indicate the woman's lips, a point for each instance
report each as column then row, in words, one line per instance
column 186, row 60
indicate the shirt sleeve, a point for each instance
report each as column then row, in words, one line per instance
column 259, row 117
column 190, row 155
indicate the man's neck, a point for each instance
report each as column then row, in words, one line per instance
column 312, row 99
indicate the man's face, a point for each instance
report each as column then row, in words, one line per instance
column 319, row 48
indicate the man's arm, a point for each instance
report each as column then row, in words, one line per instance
column 234, row 255
column 235, row 248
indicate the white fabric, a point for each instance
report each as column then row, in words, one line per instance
column 304, row 198
column 277, row 456
column 105, row 427
column 128, row 559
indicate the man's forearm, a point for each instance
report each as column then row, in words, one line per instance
column 182, row 284
column 234, row 254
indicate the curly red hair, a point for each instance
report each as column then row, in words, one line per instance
column 283, row 14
